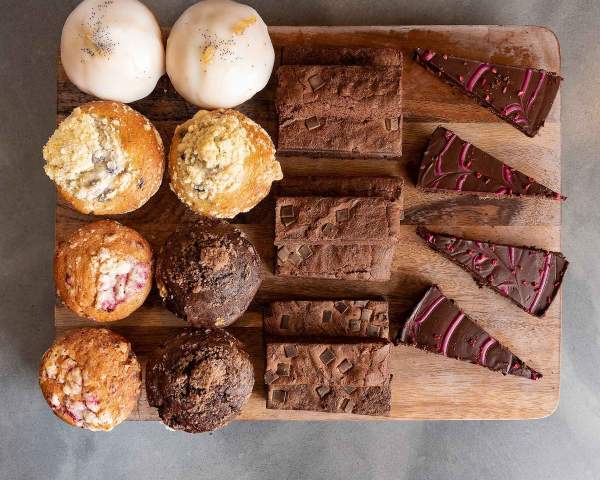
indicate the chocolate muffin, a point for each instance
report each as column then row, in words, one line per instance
column 199, row 380
column 209, row 274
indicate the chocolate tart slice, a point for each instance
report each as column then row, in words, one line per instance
column 528, row 276
column 521, row 96
column 439, row 326
column 450, row 163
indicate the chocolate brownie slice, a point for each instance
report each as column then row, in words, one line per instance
column 357, row 364
column 528, row 276
column 358, row 93
column 450, row 163
column 339, row 137
column 521, row 96
column 389, row 188
column 336, row 318
column 326, row 398
column 347, row 262
column 340, row 109
column 321, row 55
column 437, row 325
column 336, row 220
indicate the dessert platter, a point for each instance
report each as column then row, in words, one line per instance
column 314, row 223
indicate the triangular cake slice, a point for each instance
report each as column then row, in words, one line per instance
column 437, row 325
column 521, row 96
column 528, row 276
column 450, row 163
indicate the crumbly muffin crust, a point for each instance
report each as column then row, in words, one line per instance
column 199, row 380
column 105, row 158
column 208, row 274
column 103, row 271
column 91, row 379
column 222, row 163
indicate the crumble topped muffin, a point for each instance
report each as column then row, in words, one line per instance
column 91, row 379
column 222, row 163
column 104, row 271
column 105, row 158
column 199, row 380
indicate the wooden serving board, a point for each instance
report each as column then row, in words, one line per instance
column 425, row 386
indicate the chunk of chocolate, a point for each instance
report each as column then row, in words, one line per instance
column 521, row 96
column 323, row 390
column 450, row 163
column 438, row 325
column 270, row 377
column 291, row 351
column 358, row 364
column 327, row 356
column 528, row 276
column 278, row 396
column 320, row 318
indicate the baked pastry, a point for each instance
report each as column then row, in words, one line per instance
column 219, row 54
column 113, row 49
column 209, row 274
column 103, row 271
column 105, row 158
column 91, row 379
column 222, row 163
column 199, row 380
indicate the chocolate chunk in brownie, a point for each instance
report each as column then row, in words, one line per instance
column 359, row 220
column 334, row 399
column 336, row 318
column 320, row 55
column 358, row 364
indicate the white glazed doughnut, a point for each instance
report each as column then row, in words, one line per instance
column 219, row 54
column 113, row 49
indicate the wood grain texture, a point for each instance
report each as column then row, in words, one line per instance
column 425, row 386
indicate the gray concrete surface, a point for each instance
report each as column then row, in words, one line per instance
column 34, row 445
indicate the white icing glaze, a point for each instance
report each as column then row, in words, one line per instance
column 219, row 54
column 113, row 49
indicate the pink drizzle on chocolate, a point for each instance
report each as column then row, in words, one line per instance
column 450, row 163
column 451, row 328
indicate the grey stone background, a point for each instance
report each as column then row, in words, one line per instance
column 34, row 445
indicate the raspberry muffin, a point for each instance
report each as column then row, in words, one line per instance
column 200, row 380
column 209, row 274
column 221, row 163
column 105, row 158
column 103, row 271
column 91, row 379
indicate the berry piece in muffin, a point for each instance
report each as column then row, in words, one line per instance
column 105, row 158
column 208, row 274
column 104, row 271
column 91, row 379
column 199, row 380
column 221, row 163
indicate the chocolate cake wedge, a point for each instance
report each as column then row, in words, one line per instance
column 530, row 277
column 450, row 163
column 521, row 96
column 335, row 318
column 439, row 326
